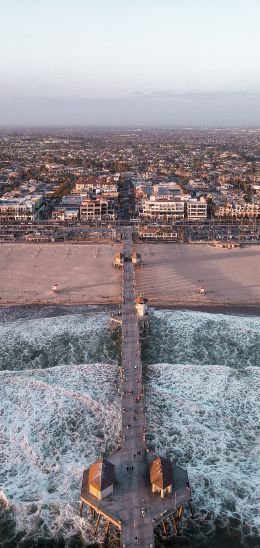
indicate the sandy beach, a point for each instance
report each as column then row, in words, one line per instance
column 84, row 273
column 171, row 274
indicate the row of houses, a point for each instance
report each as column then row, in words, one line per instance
column 169, row 202
column 237, row 209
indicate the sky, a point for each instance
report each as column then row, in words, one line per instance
column 81, row 62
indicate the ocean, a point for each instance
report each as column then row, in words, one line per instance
column 60, row 409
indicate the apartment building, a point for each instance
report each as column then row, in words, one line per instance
column 196, row 209
column 19, row 209
column 96, row 210
column 163, row 208
column 99, row 185
column 237, row 210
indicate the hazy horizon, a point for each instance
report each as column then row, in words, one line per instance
column 175, row 110
column 113, row 62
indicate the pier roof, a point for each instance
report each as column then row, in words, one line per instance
column 101, row 474
column 161, row 473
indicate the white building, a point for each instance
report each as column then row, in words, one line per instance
column 163, row 208
column 157, row 233
column 20, row 209
column 100, row 185
column 197, row 209
column 65, row 214
column 237, row 209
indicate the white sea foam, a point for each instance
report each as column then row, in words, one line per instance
column 207, row 418
column 202, row 397
column 54, row 422
column 204, row 338
column 44, row 342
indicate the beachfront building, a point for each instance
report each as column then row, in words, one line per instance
column 226, row 244
column 197, row 209
column 97, row 210
column 65, row 214
column 161, row 477
column 38, row 237
column 24, row 208
column 162, row 208
column 100, row 478
column 155, row 233
column 237, row 209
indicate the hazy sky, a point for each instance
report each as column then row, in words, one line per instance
column 65, row 50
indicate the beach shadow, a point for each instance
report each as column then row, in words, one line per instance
column 174, row 274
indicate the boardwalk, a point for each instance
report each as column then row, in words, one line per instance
column 132, row 507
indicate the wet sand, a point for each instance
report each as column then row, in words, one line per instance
column 171, row 275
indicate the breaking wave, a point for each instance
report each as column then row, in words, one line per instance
column 43, row 338
column 207, row 418
column 203, row 338
column 60, row 407
column 54, row 422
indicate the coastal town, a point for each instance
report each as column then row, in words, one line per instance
column 191, row 197
column 130, row 274
column 182, row 185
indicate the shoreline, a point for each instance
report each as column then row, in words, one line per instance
column 216, row 308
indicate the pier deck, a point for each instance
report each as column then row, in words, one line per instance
column 132, row 507
column 134, row 447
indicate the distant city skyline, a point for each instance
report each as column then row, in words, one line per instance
column 130, row 62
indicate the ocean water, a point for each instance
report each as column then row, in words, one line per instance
column 60, row 408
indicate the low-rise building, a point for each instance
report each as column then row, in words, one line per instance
column 161, row 476
column 58, row 214
column 65, row 214
column 101, row 478
column 157, row 233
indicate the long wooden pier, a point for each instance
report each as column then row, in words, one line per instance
column 133, row 507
